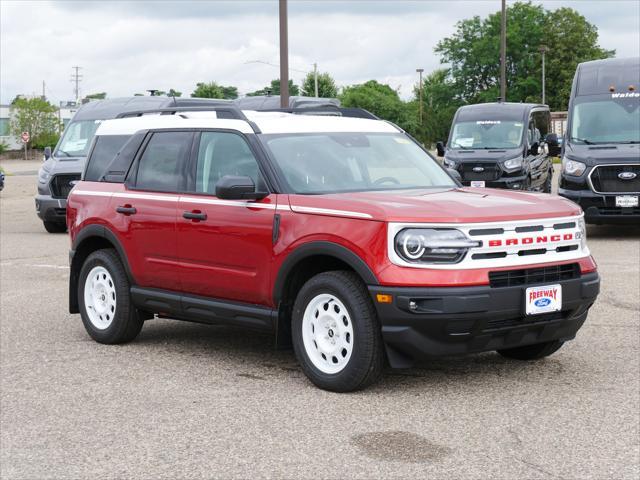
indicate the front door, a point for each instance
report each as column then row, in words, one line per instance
column 225, row 246
column 147, row 208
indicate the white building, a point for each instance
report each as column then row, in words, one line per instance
column 65, row 113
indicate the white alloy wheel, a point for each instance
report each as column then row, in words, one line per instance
column 100, row 297
column 327, row 333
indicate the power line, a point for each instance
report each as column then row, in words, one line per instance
column 76, row 78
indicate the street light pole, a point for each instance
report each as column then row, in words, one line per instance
column 420, row 70
column 503, row 52
column 543, row 49
column 315, row 77
column 284, row 56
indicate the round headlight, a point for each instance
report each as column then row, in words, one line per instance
column 432, row 245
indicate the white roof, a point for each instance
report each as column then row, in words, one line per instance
column 131, row 125
column 267, row 122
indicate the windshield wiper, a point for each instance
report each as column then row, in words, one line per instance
column 583, row 140
column 62, row 151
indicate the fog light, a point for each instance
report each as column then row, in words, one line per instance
column 516, row 186
column 413, row 305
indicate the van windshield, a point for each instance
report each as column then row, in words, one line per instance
column 77, row 138
column 354, row 162
column 486, row 134
column 606, row 119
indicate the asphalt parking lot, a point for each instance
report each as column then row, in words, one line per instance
column 187, row 401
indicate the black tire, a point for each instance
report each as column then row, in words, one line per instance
column 532, row 352
column 367, row 358
column 55, row 227
column 548, row 182
column 126, row 323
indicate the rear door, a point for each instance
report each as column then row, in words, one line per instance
column 227, row 252
column 147, row 208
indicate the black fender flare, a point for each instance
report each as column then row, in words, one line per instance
column 321, row 248
column 86, row 233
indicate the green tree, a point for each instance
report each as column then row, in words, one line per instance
column 213, row 90
column 38, row 117
column 381, row 100
column 326, row 86
column 473, row 52
column 440, row 102
column 274, row 89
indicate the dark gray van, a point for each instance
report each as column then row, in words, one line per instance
column 65, row 165
column 601, row 151
column 502, row 145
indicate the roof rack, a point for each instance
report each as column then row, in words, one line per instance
column 223, row 111
column 326, row 109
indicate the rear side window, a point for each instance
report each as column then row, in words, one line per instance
column 162, row 164
column 105, row 149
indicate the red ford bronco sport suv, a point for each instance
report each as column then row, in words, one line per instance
column 341, row 235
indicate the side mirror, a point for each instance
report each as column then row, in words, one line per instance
column 553, row 144
column 47, row 153
column 440, row 149
column 231, row 187
column 454, row 174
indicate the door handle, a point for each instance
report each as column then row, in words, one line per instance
column 126, row 209
column 195, row 215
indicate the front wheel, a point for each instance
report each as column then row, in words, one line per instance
column 104, row 299
column 336, row 334
column 55, row 227
column 532, row 352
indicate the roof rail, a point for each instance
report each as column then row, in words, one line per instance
column 326, row 109
column 223, row 110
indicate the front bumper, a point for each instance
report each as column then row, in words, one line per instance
column 51, row 209
column 600, row 208
column 462, row 320
column 511, row 183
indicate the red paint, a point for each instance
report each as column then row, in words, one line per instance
column 232, row 256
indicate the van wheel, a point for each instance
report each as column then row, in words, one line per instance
column 336, row 334
column 55, row 227
column 104, row 299
column 532, row 352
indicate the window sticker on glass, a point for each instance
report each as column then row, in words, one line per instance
column 488, row 122
column 464, row 142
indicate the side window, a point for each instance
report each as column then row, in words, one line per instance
column 103, row 152
column 542, row 120
column 533, row 134
column 161, row 165
column 220, row 154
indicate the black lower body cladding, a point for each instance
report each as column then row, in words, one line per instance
column 422, row 323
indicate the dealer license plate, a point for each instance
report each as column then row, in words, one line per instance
column 543, row 299
column 626, row 201
column 477, row 183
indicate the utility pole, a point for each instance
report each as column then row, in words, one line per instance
column 420, row 88
column 44, row 97
column 284, row 56
column 76, row 77
column 503, row 52
column 315, row 77
column 543, row 49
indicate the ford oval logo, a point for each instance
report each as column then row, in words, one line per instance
column 478, row 169
column 627, row 175
column 542, row 302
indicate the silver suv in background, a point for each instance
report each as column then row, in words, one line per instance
column 64, row 166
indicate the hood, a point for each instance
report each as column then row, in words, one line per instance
column 56, row 165
column 458, row 205
column 481, row 155
column 606, row 153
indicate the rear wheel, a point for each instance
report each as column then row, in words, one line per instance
column 532, row 352
column 104, row 299
column 336, row 334
column 55, row 227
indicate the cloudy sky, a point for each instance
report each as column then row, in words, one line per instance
column 125, row 47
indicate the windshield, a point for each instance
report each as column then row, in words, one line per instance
column 606, row 120
column 346, row 162
column 486, row 134
column 77, row 138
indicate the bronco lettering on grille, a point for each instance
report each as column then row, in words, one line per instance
column 531, row 240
